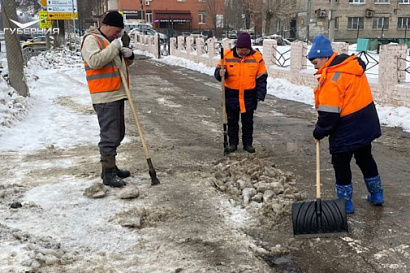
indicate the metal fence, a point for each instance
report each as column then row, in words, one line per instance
column 371, row 61
column 406, row 70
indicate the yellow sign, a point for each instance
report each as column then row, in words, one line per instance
column 45, row 23
column 62, row 15
column 43, row 3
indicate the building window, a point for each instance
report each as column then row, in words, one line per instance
column 336, row 22
column 355, row 23
column 403, row 23
column 181, row 0
column 404, row 1
column 148, row 16
column 356, row 1
column 201, row 17
column 201, row 0
column 381, row 23
column 382, row 1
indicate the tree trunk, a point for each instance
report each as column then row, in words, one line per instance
column 59, row 39
column 13, row 47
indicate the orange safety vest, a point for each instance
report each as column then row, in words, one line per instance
column 242, row 73
column 103, row 79
column 346, row 89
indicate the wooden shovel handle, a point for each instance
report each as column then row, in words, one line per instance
column 134, row 113
column 224, row 117
column 317, row 168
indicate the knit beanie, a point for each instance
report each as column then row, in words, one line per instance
column 321, row 48
column 244, row 41
column 114, row 18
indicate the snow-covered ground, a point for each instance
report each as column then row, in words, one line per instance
column 41, row 122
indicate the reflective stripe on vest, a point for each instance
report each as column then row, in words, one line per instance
column 103, row 79
column 242, row 74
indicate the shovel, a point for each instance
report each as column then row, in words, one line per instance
column 320, row 218
column 224, row 118
column 152, row 172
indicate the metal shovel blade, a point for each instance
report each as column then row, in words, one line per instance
column 320, row 218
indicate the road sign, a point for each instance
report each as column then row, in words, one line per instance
column 61, row 3
column 62, row 9
column 62, row 15
column 43, row 3
column 46, row 23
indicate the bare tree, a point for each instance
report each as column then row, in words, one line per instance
column 211, row 10
column 276, row 10
column 233, row 14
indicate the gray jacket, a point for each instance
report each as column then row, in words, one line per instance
column 97, row 58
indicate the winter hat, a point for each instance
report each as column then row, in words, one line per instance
column 321, row 48
column 244, row 41
column 114, row 18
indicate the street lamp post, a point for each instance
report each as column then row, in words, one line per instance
column 307, row 20
column 332, row 21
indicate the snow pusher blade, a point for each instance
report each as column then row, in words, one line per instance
column 320, row 218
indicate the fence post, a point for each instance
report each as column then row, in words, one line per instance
column 181, row 45
column 298, row 52
column 341, row 47
column 269, row 51
column 390, row 63
column 211, row 51
column 200, row 45
column 172, row 46
column 227, row 43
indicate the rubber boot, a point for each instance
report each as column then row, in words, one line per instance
column 375, row 189
column 110, row 176
column 346, row 192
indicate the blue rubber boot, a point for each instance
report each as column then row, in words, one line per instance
column 375, row 188
column 346, row 192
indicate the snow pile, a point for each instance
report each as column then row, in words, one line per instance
column 55, row 59
column 12, row 106
column 253, row 183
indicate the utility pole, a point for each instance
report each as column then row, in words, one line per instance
column 332, row 20
column 307, row 20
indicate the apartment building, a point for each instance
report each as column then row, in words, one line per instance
column 354, row 19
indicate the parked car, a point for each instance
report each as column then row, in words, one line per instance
column 163, row 37
column 202, row 34
column 139, row 26
column 232, row 34
column 37, row 43
column 281, row 41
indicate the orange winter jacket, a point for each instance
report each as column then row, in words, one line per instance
column 347, row 76
column 246, row 79
column 346, row 111
column 104, row 79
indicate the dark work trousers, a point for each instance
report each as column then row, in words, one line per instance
column 233, row 126
column 112, row 126
column 364, row 159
